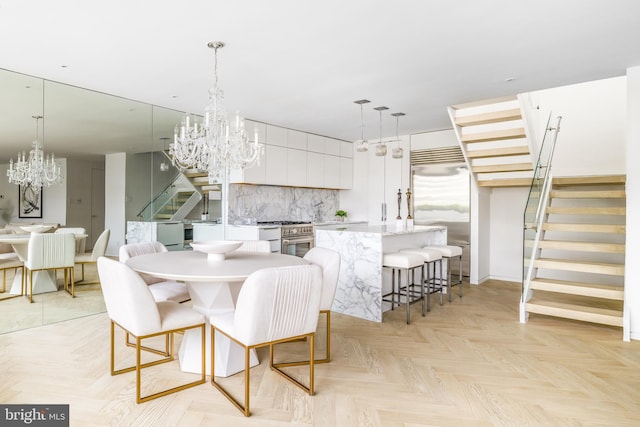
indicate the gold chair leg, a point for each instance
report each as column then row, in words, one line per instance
column 311, row 362
column 327, row 356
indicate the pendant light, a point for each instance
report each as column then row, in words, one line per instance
column 381, row 148
column 362, row 144
column 397, row 152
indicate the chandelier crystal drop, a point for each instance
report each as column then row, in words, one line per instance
column 37, row 170
column 217, row 144
column 362, row 144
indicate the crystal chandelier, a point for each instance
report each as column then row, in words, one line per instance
column 216, row 144
column 37, row 171
column 362, row 144
column 397, row 152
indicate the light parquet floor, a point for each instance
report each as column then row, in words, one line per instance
column 467, row 363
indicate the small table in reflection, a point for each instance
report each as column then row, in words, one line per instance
column 210, row 285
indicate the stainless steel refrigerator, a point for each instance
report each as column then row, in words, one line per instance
column 441, row 197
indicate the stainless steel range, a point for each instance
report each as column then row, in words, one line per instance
column 296, row 237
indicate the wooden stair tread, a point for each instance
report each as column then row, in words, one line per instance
column 594, row 194
column 590, row 180
column 566, row 245
column 585, row 228
column 573, row 210
column 576, row 312
column 505, row 167
column 496, row 135
column 490, row 117
column 505, row 182
column 473, row 104
column 614, row 292
column 498, row 152
column 580, row 266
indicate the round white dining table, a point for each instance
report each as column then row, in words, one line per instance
column 43, row 280
column 213, row 287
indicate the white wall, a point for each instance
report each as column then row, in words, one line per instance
column 632, row 250
column 115, row 192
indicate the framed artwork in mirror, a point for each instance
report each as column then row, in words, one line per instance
column 29, row 202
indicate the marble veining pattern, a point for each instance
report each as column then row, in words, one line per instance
column 274, row 203
column 359, row 291
column 140, row 231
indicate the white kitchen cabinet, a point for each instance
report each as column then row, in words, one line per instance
column 276, row 165
column 296, row 167
column 253, row 175
column 315, row 143
column 244, row 232
column 332, row 146
column 315, row 170
column 346, row 173
column 346, row 149
column 296, row 139
column 204, row 232
column 276, row 136
column 331, row 171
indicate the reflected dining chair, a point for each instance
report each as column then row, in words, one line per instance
column 132, row 308
column 10, row 261
column 161, row 289
column 99, row 249
column 275, row 305
column 80, row 243
column 50, row 251
column 329, row 261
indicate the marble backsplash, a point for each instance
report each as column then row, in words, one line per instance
column 272, row 203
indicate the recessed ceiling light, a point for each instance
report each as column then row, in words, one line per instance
column 510, row 79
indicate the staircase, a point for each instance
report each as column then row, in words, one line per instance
column 494, row 142
column 579, row 261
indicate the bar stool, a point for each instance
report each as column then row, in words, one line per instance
column 448, row 252
column 409, row 263
column 431, row 258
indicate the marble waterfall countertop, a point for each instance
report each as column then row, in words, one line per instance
column 362, row 280
column 385, row 230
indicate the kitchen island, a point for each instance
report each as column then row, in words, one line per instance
column 362, row 280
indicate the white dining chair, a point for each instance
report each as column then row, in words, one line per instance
column 99, row 249
column 10, row 261
column 50, row 251
column 132, row 308
column 275, row 305
column 329, row 261
column 161, row 289
column 80, row 243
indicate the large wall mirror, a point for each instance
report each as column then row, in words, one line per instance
column 79, row 126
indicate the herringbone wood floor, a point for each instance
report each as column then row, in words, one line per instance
column 467, row 363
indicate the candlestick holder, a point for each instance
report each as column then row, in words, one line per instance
column 409, row 217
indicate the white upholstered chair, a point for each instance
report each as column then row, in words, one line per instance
column 99, row 249
column 255, row 246
column 50, row 251
column 329, row 261
column 161, row 289
column 131, row 306
column 10, row 261
column 80, row 243
column 275, row 305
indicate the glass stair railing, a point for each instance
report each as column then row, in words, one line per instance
column 173, row 203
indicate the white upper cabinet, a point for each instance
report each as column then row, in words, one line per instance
column 331, row 171
column 346, row 149
column 346, row 173
column 297, row 167
column 276, row 165
column 276, row 136
column 296, row 139
column 315, row 143
column 332, row 146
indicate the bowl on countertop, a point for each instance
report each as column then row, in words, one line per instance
column 216, row 250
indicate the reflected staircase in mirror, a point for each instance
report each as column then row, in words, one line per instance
column 493, row 137
column 578, row 254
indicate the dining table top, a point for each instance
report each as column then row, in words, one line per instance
column 194, row 266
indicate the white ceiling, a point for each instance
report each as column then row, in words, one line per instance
column 301, row 64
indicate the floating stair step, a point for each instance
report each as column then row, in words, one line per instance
column 611, row 248
column 575, row 312
column 573, row 210
column 590, row 180
column 506, row 167
column 491, row 117
column 496, row 135
column 580, row 266
column 192, row 173
column 491, row 101
column 585, row 228
column 498, row 152
column 612, row 292
column 603, row 194
column 512, row 182
column 163, row 216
